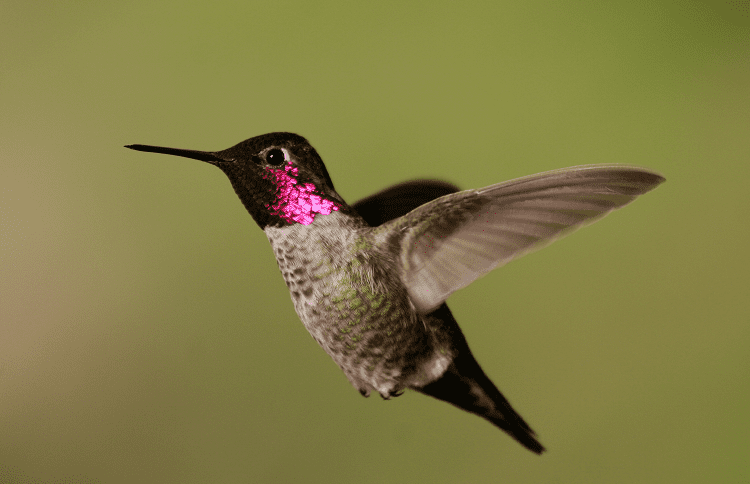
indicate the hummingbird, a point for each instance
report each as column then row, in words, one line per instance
column 369, row 281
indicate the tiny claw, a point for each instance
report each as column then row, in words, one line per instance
column 389, row 395
column 364, row 392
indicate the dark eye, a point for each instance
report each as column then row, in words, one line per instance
column 275, row 157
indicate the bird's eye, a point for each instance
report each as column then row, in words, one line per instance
column 275, row 157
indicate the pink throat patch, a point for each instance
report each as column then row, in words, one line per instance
column 296, row 202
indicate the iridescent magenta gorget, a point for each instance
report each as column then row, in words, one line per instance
column 296, row 202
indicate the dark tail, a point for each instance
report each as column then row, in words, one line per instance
column 465, row 385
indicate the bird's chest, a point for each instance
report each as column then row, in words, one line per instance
column 347, row 293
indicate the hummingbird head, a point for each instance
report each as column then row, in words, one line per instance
column 279, row 177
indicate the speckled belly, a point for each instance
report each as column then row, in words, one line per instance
column 349, row 297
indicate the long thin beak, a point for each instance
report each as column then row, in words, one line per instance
column 206, row 156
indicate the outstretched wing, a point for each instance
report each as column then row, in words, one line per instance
column 453, row 240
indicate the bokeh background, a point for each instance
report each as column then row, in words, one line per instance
column 147, row 336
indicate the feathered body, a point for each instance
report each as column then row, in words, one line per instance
column 342, row 278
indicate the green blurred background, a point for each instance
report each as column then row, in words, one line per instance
column 147, row 336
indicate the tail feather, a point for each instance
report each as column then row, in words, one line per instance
column 465, row 385
column 482, row 399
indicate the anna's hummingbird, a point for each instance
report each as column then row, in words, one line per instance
column 369, row 281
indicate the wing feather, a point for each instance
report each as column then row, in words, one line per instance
column 451, row 241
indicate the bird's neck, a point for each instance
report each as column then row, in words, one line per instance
column 333, row 228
